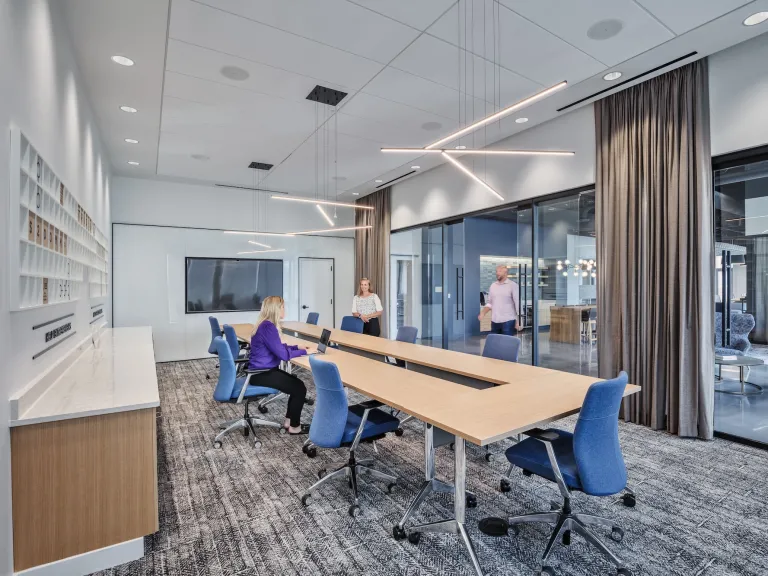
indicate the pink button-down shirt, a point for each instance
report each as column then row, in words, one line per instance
column 503, row 301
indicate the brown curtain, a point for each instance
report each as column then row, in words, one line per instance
column 655, row 249
column 372, row 247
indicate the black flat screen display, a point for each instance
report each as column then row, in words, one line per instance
column 231, row 285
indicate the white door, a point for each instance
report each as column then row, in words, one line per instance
column 316, row 290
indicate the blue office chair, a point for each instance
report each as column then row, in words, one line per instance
column 234, row 390
column 589, row 460
column 215, row 331
column 312, row 318
column 335, row 424
column 352, row 324
column 502, row 347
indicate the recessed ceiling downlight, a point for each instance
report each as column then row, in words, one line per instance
column 122, row 60
column 378, row 181
column 605, row 29
column 755, row 19
column 235, row 73
column 415, row 167
column 132, row 163
column 131, row 141
column 522, row 120
column 128, row 109
column 612, row 76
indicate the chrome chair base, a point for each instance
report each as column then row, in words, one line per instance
column 247, row 424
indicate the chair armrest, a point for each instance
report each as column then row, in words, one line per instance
column 241, row 360
column 369, row 405
column 542, row 435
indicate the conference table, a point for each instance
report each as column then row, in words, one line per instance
column 523, row 397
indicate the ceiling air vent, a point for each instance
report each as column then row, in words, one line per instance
column 260, row 166
column 326, row 95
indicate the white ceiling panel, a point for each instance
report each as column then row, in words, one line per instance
column 337, row 23
column 230, row 34
column 197, row 62
column 571, row 20
column 517, row 44
column 684, row 15
column 418, row 14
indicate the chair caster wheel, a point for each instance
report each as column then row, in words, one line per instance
column 471, row 501
column 311, row 452
column 629, row 500
column 567, row 538
column 263, row 409
column 529, row 473
column 304, row 499
column 414, row 537
column 504, row 485
column 282, row 431
column 617, row 534
column 488, row 457
column 354, row 510
column 452, row 445
column 217, row 444
column 207, row 376
column 257, row 445
column 390, row 487
column 309, row 401
column 399, row 432
column 547, row 571
column 304, row 448
column 246, row 431
column 321, row 473
column 623, row 572
column 398, row 533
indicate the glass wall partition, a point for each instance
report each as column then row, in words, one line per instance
column 741, row 299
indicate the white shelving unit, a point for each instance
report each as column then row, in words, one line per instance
column 55, row 245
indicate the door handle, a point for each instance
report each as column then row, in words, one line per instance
column 304, row 307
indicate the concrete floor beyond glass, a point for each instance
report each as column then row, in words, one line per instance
column 743, row 416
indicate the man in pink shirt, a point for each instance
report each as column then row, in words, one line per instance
column 503, row 302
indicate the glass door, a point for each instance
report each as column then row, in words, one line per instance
column 454, row 308
column 432, row 283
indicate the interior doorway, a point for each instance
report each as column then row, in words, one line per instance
column 316, row 288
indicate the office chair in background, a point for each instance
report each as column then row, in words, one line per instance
column 404, row 334
column 589, row 460
column 352, row 324
column 312, row 318
column 239, row 351
column 215, row 332
column 335, row 424
column 233, row 390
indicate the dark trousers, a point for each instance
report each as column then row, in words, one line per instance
column 372, row 327
column 507, row 327
column 288, row 383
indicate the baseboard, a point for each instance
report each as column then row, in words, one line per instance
column 90, row 562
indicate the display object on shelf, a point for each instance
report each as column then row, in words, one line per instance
column 55, row 247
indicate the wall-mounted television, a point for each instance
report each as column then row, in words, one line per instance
column 231, row 284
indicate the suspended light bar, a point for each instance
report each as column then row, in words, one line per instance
column 324, row 202
column 472, row 175
column 244, row 233
column 327, row 218
column 500, row 114
column 332, row 230
column 456, row 152
column 259, row 244
column 262, row 251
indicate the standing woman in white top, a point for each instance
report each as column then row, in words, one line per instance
column 367, row 306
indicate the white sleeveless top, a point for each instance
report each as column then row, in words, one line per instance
column 367, row 305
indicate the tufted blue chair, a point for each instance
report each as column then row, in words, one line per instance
column 741, row 325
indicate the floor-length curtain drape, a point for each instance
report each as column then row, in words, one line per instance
column 655, row 249
column 372, row 247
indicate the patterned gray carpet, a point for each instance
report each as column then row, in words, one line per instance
column 702, row 506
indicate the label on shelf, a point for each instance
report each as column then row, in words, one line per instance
column 45, row 290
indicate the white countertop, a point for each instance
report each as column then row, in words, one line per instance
column 117, row 375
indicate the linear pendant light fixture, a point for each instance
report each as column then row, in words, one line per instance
column 332, row 230
column 262, row 251
column 259, row 244
column 323, row 202
column 461, row 151
column 500, row 114
column 472, row 175
column 327, row 218
column 244, row 233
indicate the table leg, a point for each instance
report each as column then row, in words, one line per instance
column 741, row 378
column 456, row 524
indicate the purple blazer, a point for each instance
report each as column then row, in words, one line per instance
column 267, row 351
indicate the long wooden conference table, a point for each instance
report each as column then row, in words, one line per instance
column 521, row 397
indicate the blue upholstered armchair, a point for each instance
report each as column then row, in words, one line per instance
column 741, row 326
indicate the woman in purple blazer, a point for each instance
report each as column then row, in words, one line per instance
column 267, row 351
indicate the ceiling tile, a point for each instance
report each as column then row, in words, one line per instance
column 515, row 43
column 230, row 34
column 684, row 15
column 336, row 23
column 571, row 20
column 417, row 14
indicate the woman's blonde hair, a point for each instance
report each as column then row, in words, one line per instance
column 360, row 290
column 270, row 310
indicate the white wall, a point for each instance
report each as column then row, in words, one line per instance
column 42, row 93
column 444, row 191
column 738, row 94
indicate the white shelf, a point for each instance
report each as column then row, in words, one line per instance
column 56, row 248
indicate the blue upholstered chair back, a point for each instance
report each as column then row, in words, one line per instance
column 352, row 324
column 502, row 347
column 215, row 332
column 226, row 383
column 407, row 334
column 741, row 325
column 331, row 406
column 596, row 439
column 312, row 318
column 231, row 338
